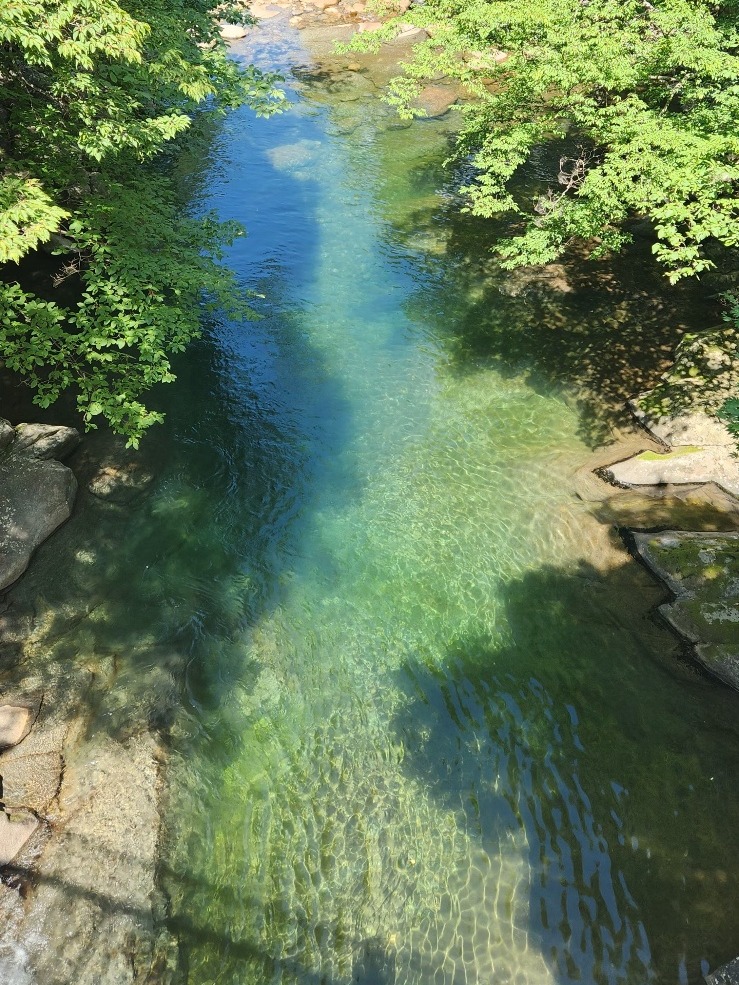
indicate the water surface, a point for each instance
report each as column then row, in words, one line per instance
column 431, row 733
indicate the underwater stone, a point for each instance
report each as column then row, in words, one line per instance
column 31, row 781
column 119, row 485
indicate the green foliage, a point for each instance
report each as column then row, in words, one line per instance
column 729, row 411
column 634, row 105
column 92, row 94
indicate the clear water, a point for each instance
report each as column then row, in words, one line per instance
column 440, row 741
column 427, row 732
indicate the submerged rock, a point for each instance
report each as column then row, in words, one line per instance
column 120, row 485
column 14, row 724
column 36, row 497
column 702, row 570
column 45, row 441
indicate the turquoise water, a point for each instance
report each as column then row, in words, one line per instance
column 423, row 726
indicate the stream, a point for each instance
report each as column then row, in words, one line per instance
column 429, row 730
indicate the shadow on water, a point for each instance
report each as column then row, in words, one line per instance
column 163, row 584
column 600, row 330
column 619, row 888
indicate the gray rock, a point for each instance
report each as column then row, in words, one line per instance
column 14, row 721
column 46, row 441
column 727, row 974
column 15, row 830
column 35, row 498
column 7, row 433
column 702, row 571
column 690, row 428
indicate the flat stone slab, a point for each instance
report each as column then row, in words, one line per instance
column 15, row 830
column 702, row 570
column 685, row 465
column 14, row 722
column 727, row 974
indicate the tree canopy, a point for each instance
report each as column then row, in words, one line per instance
column 93, row 94
column 634, row 104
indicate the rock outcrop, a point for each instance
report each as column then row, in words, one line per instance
column 702, row 571
column 35, row 498
column 45, row 441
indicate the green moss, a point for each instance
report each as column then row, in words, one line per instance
column 652, row 456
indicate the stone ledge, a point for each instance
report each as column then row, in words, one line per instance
column 702, row 571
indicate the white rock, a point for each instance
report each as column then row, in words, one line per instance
column 232, row 32
column 695, row 428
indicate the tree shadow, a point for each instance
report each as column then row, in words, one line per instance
column 579, row 743
column 601, row 331
column 120, row 921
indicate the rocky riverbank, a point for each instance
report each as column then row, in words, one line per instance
column 79, row 797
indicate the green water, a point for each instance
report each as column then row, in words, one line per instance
column 424, row 728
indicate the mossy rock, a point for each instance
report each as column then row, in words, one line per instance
column 702, row 570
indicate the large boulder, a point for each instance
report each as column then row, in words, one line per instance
column 45, row 441
column 35, row 498
column 689, row 428
column 435, row 100
column 7, row 434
